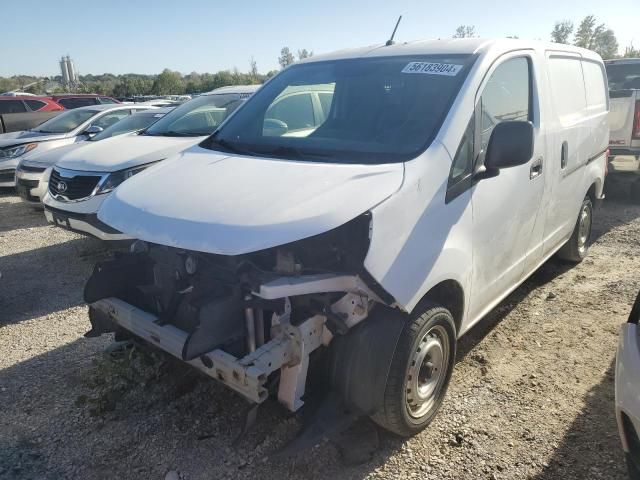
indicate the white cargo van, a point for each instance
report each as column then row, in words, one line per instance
column 396, row 197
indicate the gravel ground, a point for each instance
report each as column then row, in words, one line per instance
column 531, row 395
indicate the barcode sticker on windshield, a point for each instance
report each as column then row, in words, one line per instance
column 428, row 68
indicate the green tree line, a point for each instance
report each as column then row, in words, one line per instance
column 166, row 83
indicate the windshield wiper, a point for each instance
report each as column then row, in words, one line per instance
column 172, row 133
column 230, row 147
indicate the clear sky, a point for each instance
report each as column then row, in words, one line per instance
column 143, row 36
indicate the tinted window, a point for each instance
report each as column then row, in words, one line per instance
column 12, row 106
column 595, row 85
column 623, row 75
column 505, row 97
column 35, row 105
column 463, row 161
column 110, row 118
column 386, row 109
column 70, row 103
column 567, row 86
column 66, row 121
column 107, row 100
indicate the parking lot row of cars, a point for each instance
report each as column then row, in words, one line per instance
column 374, row 200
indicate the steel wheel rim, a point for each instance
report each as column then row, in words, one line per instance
column 427, row 371
column 584, row 228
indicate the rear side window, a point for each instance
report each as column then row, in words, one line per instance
column 505, row 97
column 595, row 85
column 293, row 112
column 12, row 106
column 70, row 103
column 567, row 85
column 35, row 105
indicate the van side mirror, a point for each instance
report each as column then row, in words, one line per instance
column 93, row 130
column 510, row 145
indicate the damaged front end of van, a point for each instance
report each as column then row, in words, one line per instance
column 244, row 291
column 240, row 319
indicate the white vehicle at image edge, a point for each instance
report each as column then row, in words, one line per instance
column 33, row 172
column 375, row 204
column 82, row 178
column 624, row 123
column 68, row 127
column 628, row 390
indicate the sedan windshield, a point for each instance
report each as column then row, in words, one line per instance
column 623, row 76
column 131, row 123
column 198, row 117
column 66, row 121
column 366, row 110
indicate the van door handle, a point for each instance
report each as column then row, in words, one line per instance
column 564, row 154
column 536, row 168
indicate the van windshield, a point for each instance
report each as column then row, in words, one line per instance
column 365, row 110
column 198, row 117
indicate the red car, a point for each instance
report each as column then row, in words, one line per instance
column 28, row 103
column 75, row 100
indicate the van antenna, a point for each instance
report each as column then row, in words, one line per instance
column 390, row 41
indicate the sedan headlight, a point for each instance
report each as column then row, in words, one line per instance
column 13, row 152
column 116, row 178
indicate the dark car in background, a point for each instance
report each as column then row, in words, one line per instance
column 75, row 100
column 28, row 103
column 23, row 112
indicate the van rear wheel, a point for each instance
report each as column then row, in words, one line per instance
column 420, row 372
column 576, row 249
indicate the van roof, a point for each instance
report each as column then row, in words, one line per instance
column 234, row 89
column 449, row 46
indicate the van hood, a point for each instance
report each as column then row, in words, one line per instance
column 230, row 205
column 124, row 151
column 26, row 136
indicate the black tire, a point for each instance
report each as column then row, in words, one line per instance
column 634, row 471
column 577, row 247
column 396, row 413
column 634, row 192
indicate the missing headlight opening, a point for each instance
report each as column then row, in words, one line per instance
column 240, row 319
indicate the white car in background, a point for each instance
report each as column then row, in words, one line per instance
column 32, row 174
column 628, row 390
column 68, row 127
column 83, row 178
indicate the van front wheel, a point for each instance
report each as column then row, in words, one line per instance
column 420, row 372
column 576, row 249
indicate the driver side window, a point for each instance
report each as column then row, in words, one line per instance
column 505, row 97
column 110, row 118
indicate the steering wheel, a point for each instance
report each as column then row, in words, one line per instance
column 275, row 124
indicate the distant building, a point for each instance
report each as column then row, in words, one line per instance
column 69, row 73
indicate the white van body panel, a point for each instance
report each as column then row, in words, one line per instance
column 407, row 242
column 242, row 204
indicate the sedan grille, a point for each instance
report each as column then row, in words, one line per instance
column 7, row 175
column 72, row 187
